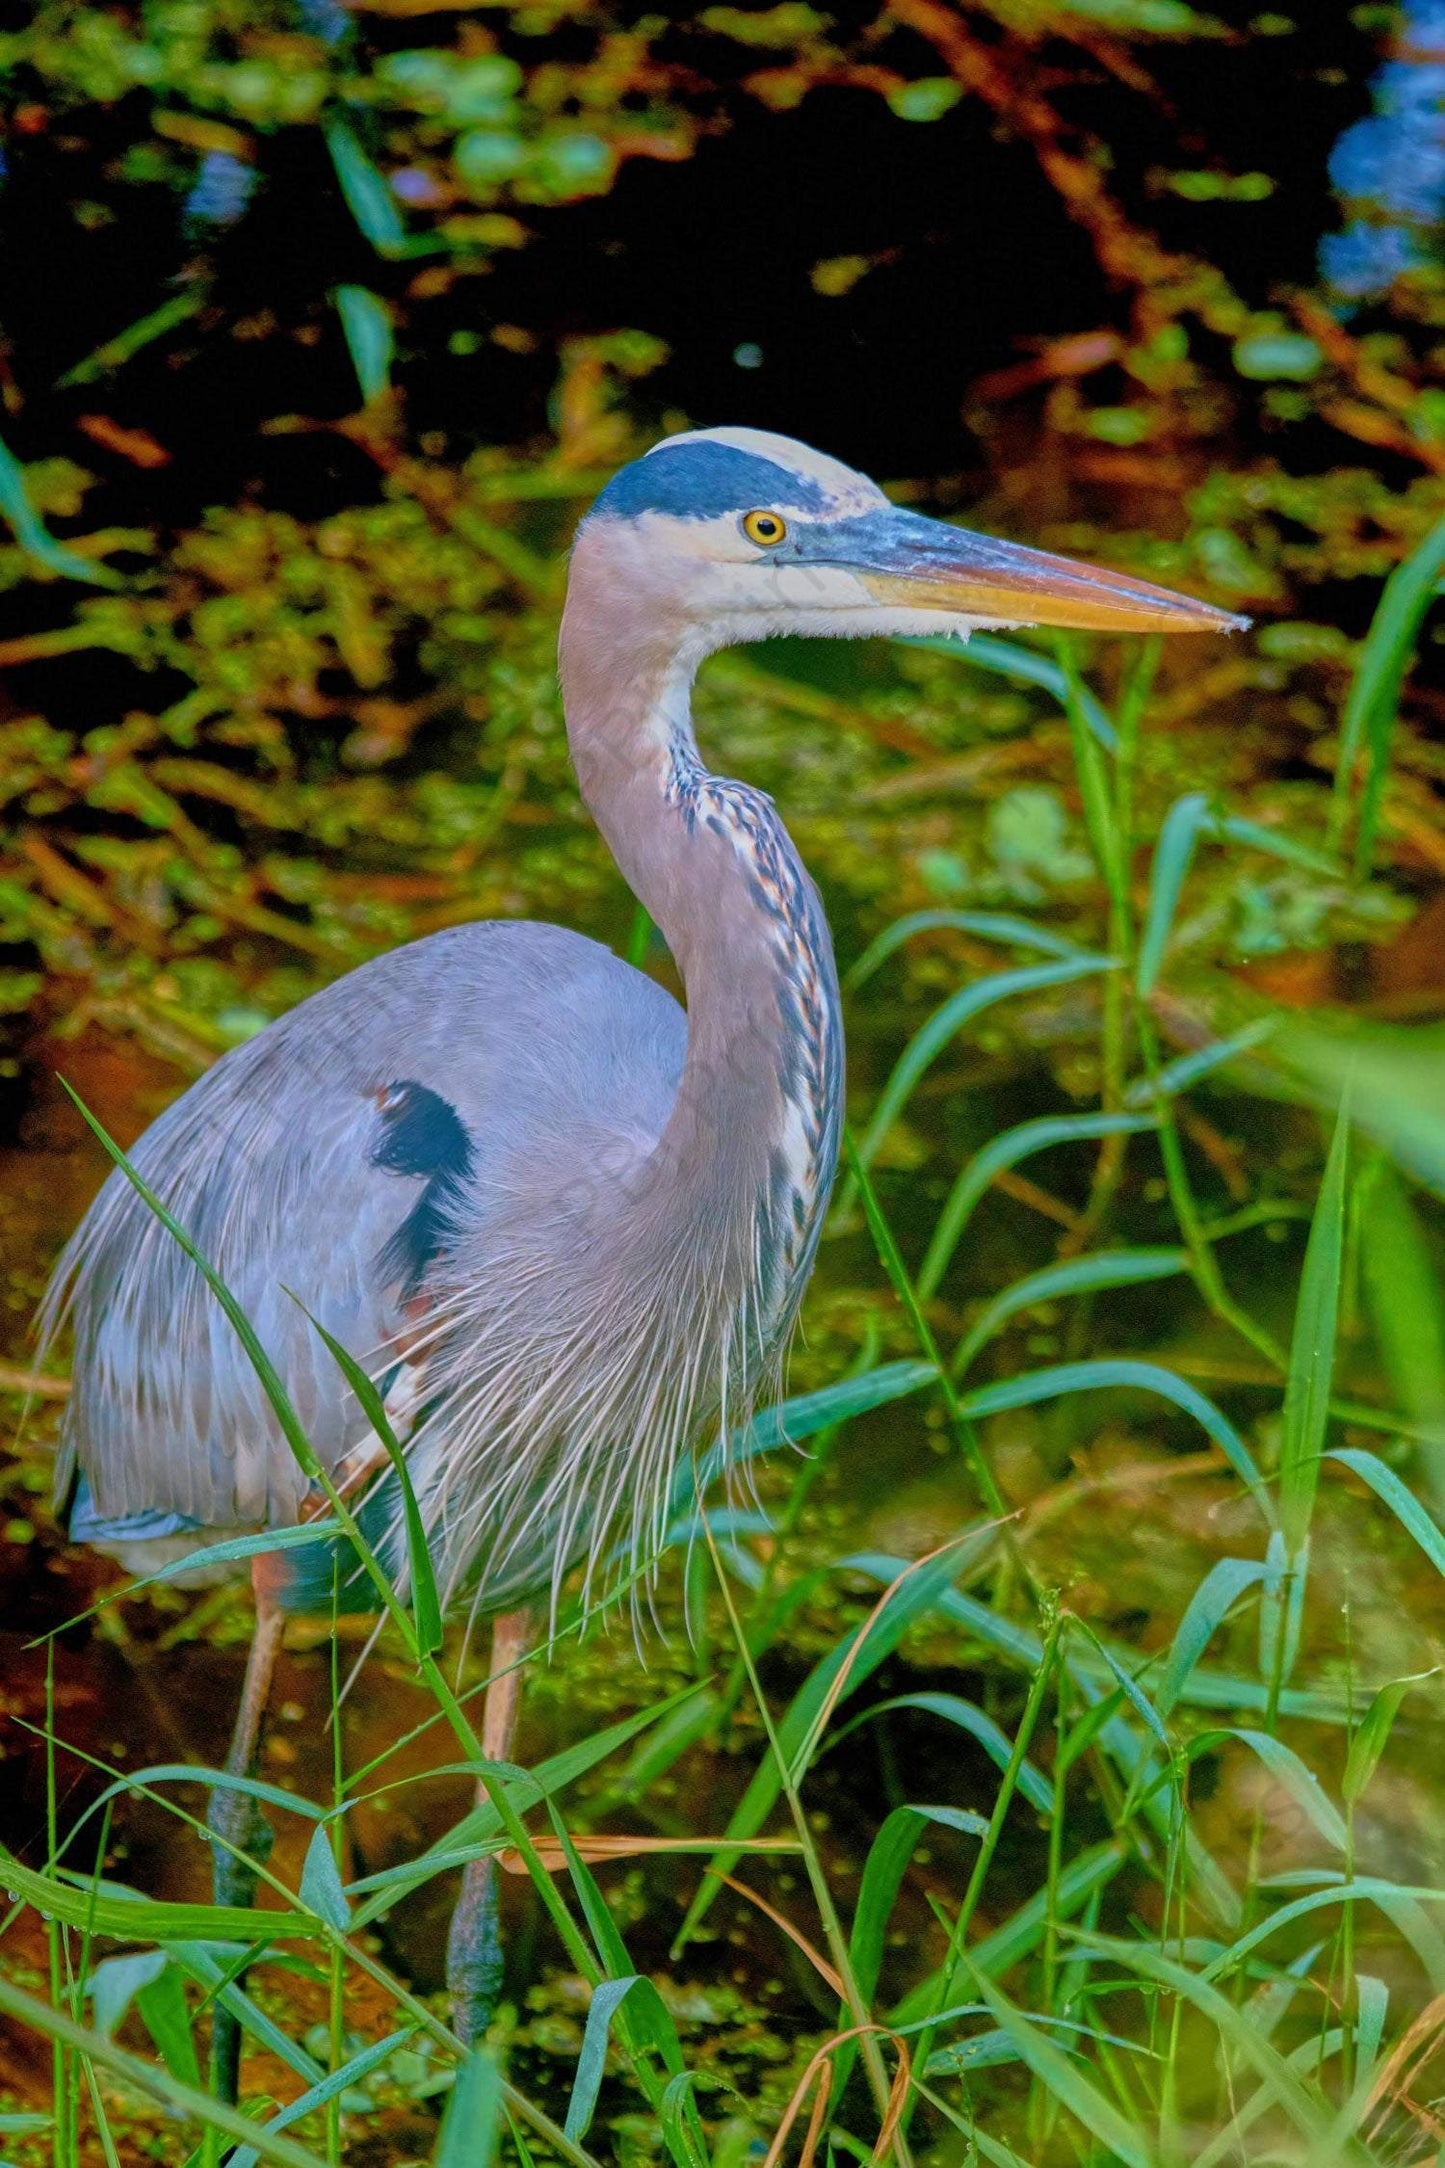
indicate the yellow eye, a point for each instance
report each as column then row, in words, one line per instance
column 766, row 528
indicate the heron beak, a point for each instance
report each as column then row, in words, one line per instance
column 910, row 562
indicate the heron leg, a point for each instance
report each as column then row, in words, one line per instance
column 236, row 1819
column 474, row 1944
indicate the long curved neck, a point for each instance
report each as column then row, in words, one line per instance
column 752, row 1141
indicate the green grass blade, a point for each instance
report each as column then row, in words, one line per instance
column 136, row 1918
column 985, row 925
column 369, row 338
column 649, row 2012
column 152, row 2083
column 997, row 1953
column 1207, row 1609
column 1147, row 1962
column 1188, row 1069
column 945, row 1024
column 321, row 1882
column 1122, row 1373
column 35, row 538
column 426, row 1607
column 1312, row 1350
column 331, row 2087
column 1276, row 843
column 1173, row 855
column 1125, row 2140
column 803, row 1417
column 472, row 2122
column 1371, row 709
column 1373, row 1736
column 1407, row 1307
column 368, row 198
column 1289, row 1770
column 860, row 1652
column 115, row 352
column 964, row 1716
column 1054, row 1283
column 995, row 1158
column 883, row 1872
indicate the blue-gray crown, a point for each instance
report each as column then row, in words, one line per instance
column 701, row 479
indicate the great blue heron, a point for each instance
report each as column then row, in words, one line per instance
column 565, row 1224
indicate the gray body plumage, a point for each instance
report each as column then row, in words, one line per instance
column 275, row 1165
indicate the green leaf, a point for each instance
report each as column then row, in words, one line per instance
column 945, row 1024
column 1151, row 18
column 808, row 1413
column 1209, row 1606
column 140, row 1780
column 1312, row 1351
column 1068, row 2085
column 1131, row 1690
column 606, row 1934
column 1001, row 1153
column 369, row 200
column 367, row 326
column 803, row 1417
column 1075, row 1276
column 1147, row 1962
column 162, row 2004
column 137, row 1919
column 1177, row 1076
column 1020, row 1935
column 1406, row 1305
column 210, row 1964
column 481, row 1826
column 331, row 2087
column 1393, row 1077
column 115, row 352
column 860, row 1652
column 114, row 1984
column 1297, row 1778
column 1121, row 1373
column 426, row 1608
column 607, row 1999
column 1402, row 1503
column 883, row 1872
column 1277, row 843
column 1400, row 1903
column 953, row 1709
column 321, row 1888
column 147, row 2077
column 1187, row 820
column 1371, row 1739
column 470, row 2126
column 984, row 925
column 1368, row 724
column 1100, row 817
column 34, row 537
column 1173, row 854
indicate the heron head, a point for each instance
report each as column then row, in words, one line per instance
column 731, row 535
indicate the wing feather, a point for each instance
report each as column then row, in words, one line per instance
column 299, row 1168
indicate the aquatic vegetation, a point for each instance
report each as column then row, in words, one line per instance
column 1064, row 1719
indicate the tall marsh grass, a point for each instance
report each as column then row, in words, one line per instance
column 1113, row 1972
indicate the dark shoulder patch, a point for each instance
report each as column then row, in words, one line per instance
column 422, row 1135
column 702, row 481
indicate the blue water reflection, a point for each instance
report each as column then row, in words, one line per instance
column 1389, row 169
